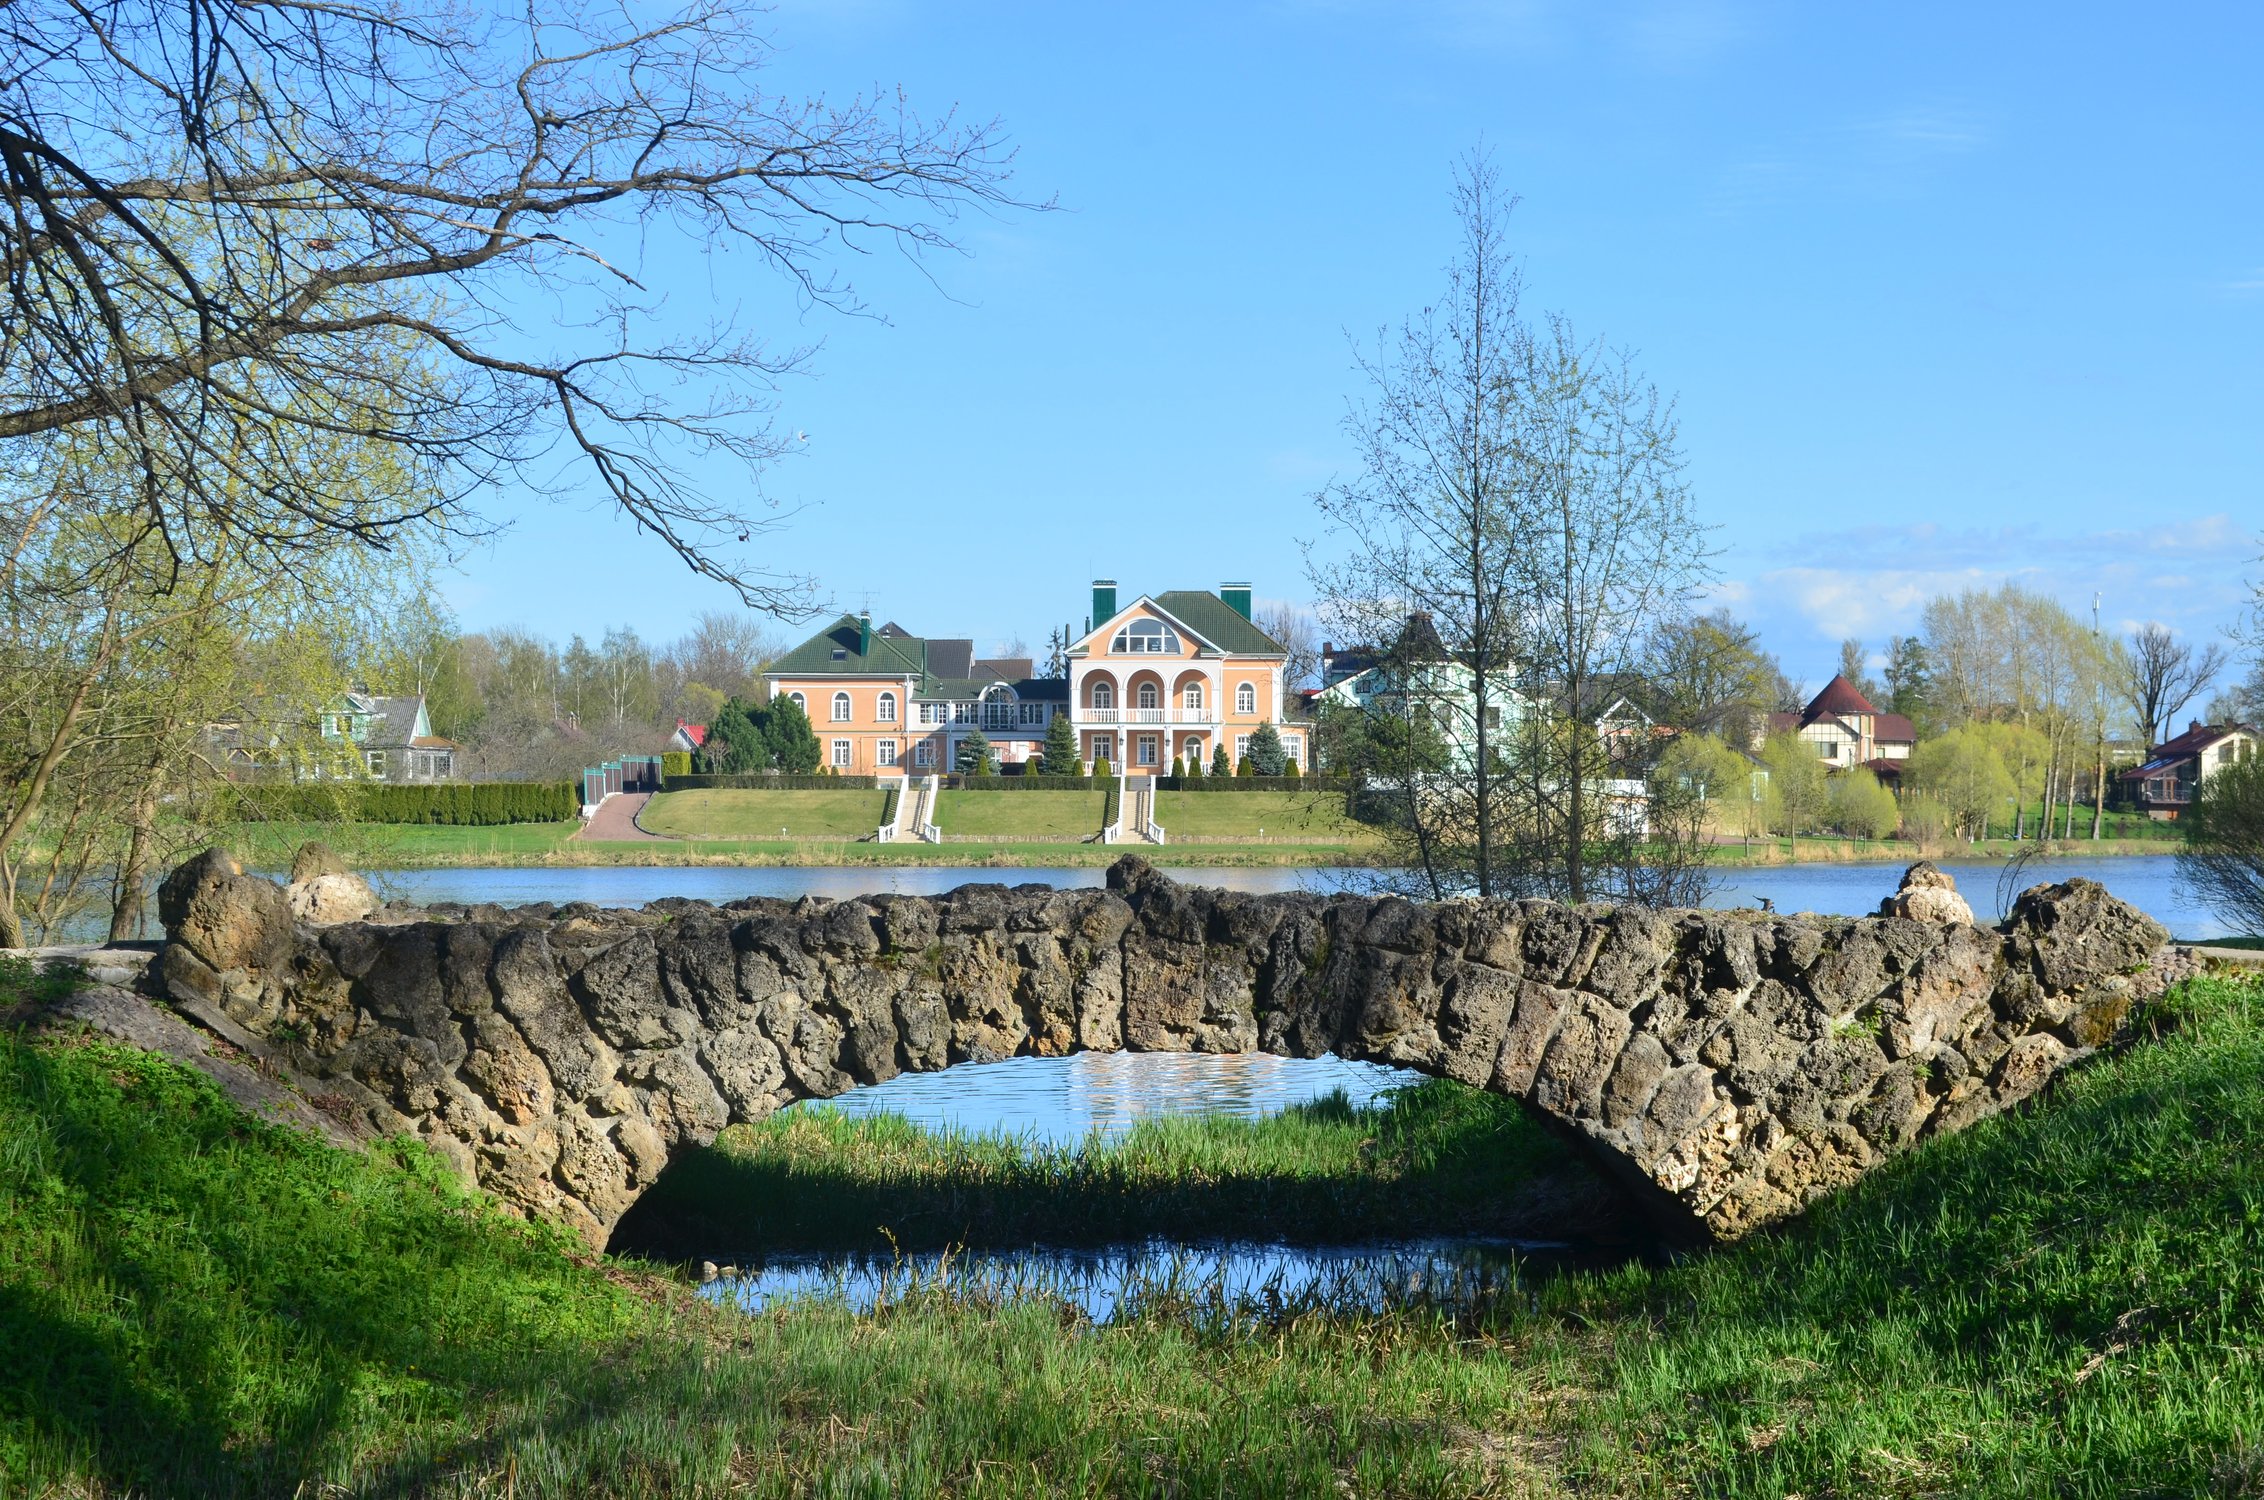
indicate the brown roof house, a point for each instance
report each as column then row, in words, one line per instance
column 1848, row 732
column 2165, row 785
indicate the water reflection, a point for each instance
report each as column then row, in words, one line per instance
column 1061, row 1100
column 1230, row 1282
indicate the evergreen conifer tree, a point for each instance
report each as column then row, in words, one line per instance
column 1221, row 763
column 1265, row 755
column 1061, row 758
column 793, row 744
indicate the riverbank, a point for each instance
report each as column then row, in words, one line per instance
column 555, row 846
column 2065, row 1300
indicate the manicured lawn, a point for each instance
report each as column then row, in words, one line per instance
column 380, row 845
column 2065, row 1301
column 1251, row 815
column 764, row 815
column 1010, row 815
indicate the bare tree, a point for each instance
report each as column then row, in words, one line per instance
column 215, row 214
column 1292, row 629
column 2157, row 675
column 1516, row 536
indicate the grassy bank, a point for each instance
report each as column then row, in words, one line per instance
column 758, row 814
column 2069, row 1301
column 1441, row 1160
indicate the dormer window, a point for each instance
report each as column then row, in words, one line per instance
column 1146, row 638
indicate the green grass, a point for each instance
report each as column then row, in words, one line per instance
column 1251, row 815
column 2067, row 1301
column 383, row 845
column 765, row 815
column 1441, row 1159
column 1010, row 815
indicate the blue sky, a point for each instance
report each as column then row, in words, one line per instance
column 1947, row 294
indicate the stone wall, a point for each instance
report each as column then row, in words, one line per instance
column 1729, row 1067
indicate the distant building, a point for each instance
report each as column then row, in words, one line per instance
column 2176, row 769
column 360, row 734
column 1417, row 675
column 885, row 702
column 688, row 737
column 1175, row 675
column 1848, row 732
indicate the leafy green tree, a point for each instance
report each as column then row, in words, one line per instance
column 1910, row 685
column 1221, row 763
column 1265, row 756
column 1861, row 808
column 1061, row 757
column 1963, row 773
column 1718, row 777
column 1710, row 676
column 1797, row 791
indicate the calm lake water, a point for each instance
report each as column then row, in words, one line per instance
column 2147, row 881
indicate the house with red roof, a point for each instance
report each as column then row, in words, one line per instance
column 1848, row 731
column 2165, row 785
column 688, row 736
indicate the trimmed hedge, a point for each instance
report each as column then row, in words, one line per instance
column 771, row 781
column 675, row 763
column 1335, row 784
column 466, row 804
column 1040, row 783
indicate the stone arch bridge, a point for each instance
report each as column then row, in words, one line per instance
column 1728, row 1067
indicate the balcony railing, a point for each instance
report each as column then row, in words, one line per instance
column 1146, row 716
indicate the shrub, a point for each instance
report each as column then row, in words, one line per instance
column 1861, row 808
column 1248, row 767
column 1220, row 764
column 455, row 804
column 1101, row 768
column 2223, row 858
column 1061, row 758
column 675, row 763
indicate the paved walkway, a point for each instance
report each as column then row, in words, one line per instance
column 615, row 821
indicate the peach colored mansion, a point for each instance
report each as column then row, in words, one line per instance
column 1153, row 679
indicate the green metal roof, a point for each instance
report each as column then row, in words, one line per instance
column 833, row 652
column 1218, row 622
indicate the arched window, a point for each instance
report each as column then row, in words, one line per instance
column 1245, row 698
column 888, row 708
column 801, row 703
column 1191, row 696
column 840, row 708
column 1148, row 695
column 1104, row 695
column 1146, row 638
